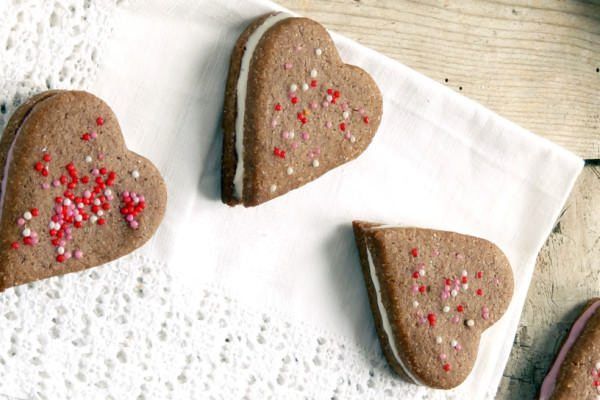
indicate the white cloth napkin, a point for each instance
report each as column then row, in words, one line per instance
column 439, row 160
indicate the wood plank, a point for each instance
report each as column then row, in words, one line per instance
column 567, row 275
column 535, row 63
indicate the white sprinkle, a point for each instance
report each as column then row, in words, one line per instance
column 67, row 202
column 26, row 232
column 352, row 139
column 80, row 205
column 313, row 73
column 470, row 323
column 88, row 159
column 464, row 273
column 415, row 304
column 27, row 215
column 290, row 170
column 93, row 219
column 329, row 98
column 446, row 309
column 108, row 192
column 346, row 114
column 291, row 134
column 273, row 188
column 51, row 225
column 315, row 163
column 293, row 87
column 135, row 173
column 422, row 272
column 318, row 52
column 454, row 293
column 453, row 343
column 305, row 87
column 465, row 286
column 78, row 218
column 97, row 202
column 439, row 340
column 60, row 250
column 100, row 213
column 598, row 366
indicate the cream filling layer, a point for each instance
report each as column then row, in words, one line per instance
column 242, row 91
column 387, row 327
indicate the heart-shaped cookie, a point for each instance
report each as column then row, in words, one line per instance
column 72, row 195
column 575, row 373
column 432, row 293
column 293, row 110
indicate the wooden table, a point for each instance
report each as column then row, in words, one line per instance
column 538, row 64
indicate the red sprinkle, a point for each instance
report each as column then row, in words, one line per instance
column 313, row 83
column 86, row 137
column 416, row 275
column 85, row 179
column 99, row 121
column 422, row 289
column 448, row 282
column 414, row 252
column 15, row 245
column 366, row 119
column 101, row 221
column 45, row 172
column 28, row 240
column 278, row 152
column 432, row 319
column 479, row 274
column 479, row 292
column 460, row 308
column 447, row 367
column 35, row 212
column 47, row 157
column 336, row 95
column 294, row 100
column 38, row 166
column 103, row 171
column 464, row 279
column 60, row 258
column 329, row 91
column 596, row 383
column 278, row 107
column 343, row 127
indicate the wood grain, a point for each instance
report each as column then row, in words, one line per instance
column 535, row 63
column 567, row 275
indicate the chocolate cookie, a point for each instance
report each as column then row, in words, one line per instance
column 72, row 195
column 293, row 110
column 432, row 294
column 575, row 373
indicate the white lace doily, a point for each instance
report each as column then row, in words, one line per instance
column 122, row 330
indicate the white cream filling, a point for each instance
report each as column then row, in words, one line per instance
column 387, row 327
column 241, row 91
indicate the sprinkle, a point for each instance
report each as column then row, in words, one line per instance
column 455, row 319
column 460, row 308
column 38, row 166
column 290, row 170
column 85, row 137
column 305, row 135
column 134, row 225
column 432, row 319
column 422, row 288
column 273, row 188
column 99, row 121
column 439, row 340
column 26, row 232
column 446, row 309
column 598, row 366
column 288, row 66
column 443, row 356
column 93, row 219
column 60, row 250
column 465, row 286
column 415, row 304
column 343, row 127
column 305, row 87
column 313, row 73
column 479, row 292
column 479, row 274
column 447, row 367
column 315, row 163
column 94, row 135
column 27, row 215
column 465, row 273
column 415, row 252
column 60, row 258
column 470, row 323
column 366, row 120
column 15, row 245
column 453, row 343
column 21, row 221
column 278, row 107
column 454, row 293
column 135, row 174
column 293, row 87
column 88, row 159
column 352, row 139
column 294, row 100
column 318, row 51
column 422, row 272
column 346, row 114
column 415, row 288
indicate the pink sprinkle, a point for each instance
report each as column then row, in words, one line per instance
column 87, row 194
column 305, row 135
column 63, row 243
column 94, row 135
column 67, row 255
column 455, row 319
column 314, row 105
column 329, row 124
column 361, row 111
column 445, row 295
column 295, row 145
column 34, row 234
column 125, row 194
column 345, row 107
column 285, row 135
column 78, row 254
column 415, row 289
column 317, row 151
column 273, row 123
column 35, row 240
column 141, row 197
column 129, row 218
column 101, row 156
column 56, row 183
column 288, row 65
column 95, row 172
column 458, row 347
column 325, row 104
column 45, row 186
column 435, row 252
column 459, row 256
column 443, row 356
column 20, row 222
column 134, row 224
column 422, row 320
column 348, row 135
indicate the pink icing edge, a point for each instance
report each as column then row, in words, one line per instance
column 550, row 380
